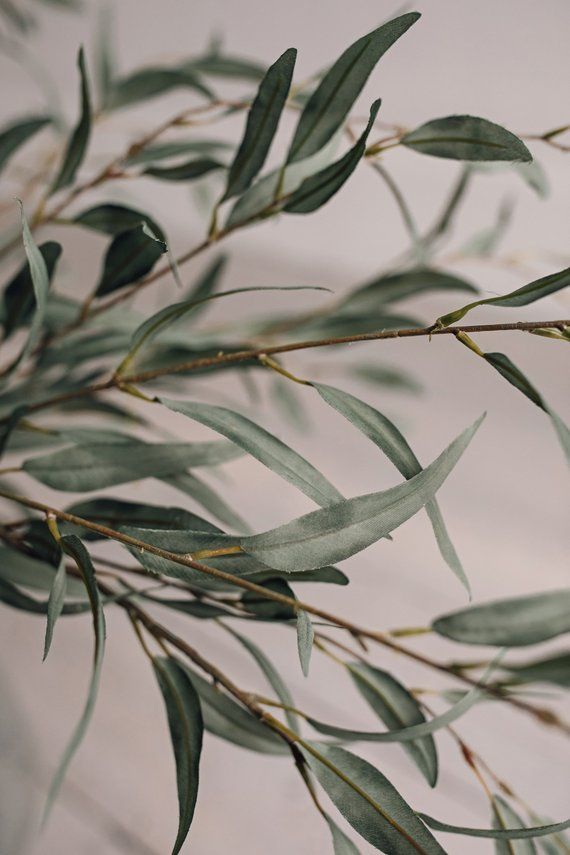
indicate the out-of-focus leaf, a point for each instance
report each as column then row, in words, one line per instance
column 514, row 622
column 342, row 845
column 205, row 496
column 220, row 65
column 97, row 465
column 111, row 219
column 392, row 378
column 512, row 832
column 105, row 65
column 398, row 709
column 331, row 101
column 400, row 286
column 131, row 255
column 18, row 296
column 20, row 568
column 535, row 176
column 305, row 636
column 15, row 135
column 186, row 728
column 151, row 82
column 390, row 440
column 187, row 171
column 504, row 817
column 486, row 241
column 554, row 669
column 466, row 138
column 317, row 189
column 369, row 802
column 73, row 547
column 166, row 151
column 55, row 603
column 79, row 139
column 521, row 297
column 262, row 445
column 345, row 528
column 261, row 127
column 224, row 718
column 13, row 596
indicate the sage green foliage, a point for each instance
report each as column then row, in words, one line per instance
column 116, row 400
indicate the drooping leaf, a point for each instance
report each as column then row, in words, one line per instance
column 188, row 171
column 208, row 280
column 305, row 636
column 399, row 286
column 369, row 802
column 97, row 465
column 317, row 189
column 18, row 133
column 398, row 709
column 466, row 138
column 521, row 297
column 514, row 622
column 345, row 528
column 56, row 602
column 332, row 100
column 112, row 219
column 261, row 127
column 389, row 439
column 152, row 82
column 186, row 728
column 130, row 256
column 79, row 139
column 504, row 817
column 73, row 547
column 18, row 297
column 512, row 832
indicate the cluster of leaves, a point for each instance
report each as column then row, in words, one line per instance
column 64, row 352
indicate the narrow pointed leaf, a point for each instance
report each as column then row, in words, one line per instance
column 73, row 547
column 186, row 727
column 369, row 802
column 401, row 286
column 188, row 171
column 316, row 190
column 111, row 219
column 398, row 709
column 514, row 622
column 152, row 82
column 205, row 496
column 505, row 817
column 18, row 297
column 261, row 127
column 388, row 438
column 342, row 845
column 55, row 603
column 130, row 256
column 337, row 532
column 79, row 139
column 512, row 833
column 305, row 636
column 466, row 138
column 332, row 100
column 168, row 150
column 15, row 135
column 553, row 669
column 13, row 596
column 262, row 445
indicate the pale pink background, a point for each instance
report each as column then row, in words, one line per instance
column 506, row 506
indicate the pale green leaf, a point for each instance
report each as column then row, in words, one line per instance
column 515, row 832
column 305, row 637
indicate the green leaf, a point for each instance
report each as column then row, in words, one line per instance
column 116, row 512
column 18, row 297
column 79, row 139
column 262, row 445
column 400, row 286
column 516, row 832
column 398, row 709
column 332, row 100
column 342, row 845
column 535, row 290
column 316, row 190
column 73, row 547
column 205, row 496
column 504, row 817
column 305, row 637
column 226, row 719
column 55, row 603
column 337, row 532
column 15, row 135
column 186, row 728
column 369, row 802
column 218, row 65
column 388, row 438
column 553, row 669
column 96, row 465
column 187, row 171
column 131, row 255
column 261, row 127
column 208, row 280
column 12, row 596
column 392, row 378
column 32, row 572
column 111, row 219
column 168, row 150
column 466, row 138
column 514, row 622
column 150, row 82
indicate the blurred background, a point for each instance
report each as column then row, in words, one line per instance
column 506, row 506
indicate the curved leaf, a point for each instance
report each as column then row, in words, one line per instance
column 150, row 82
column 79, row 139
column 112, row 219
column 130, row 256
column 15, row 135
column 18, row 296
column 519, row 833
column 466, row 138
column 188, row 171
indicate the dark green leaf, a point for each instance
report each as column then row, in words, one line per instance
column 332, row 100
column 79, row 139
column 369, row 802
column 151, row 82
column 15, row 135
column 168, row 150
column 113, row 219
column 400, row 286
column 398, row 709
column 466, row 138
column 513, row 623
column 116, row 512
column 513, row 833
column 305, row 636
column 186, row 728
column 337, row 532
column 184, row 171
column 55, row 603
column 262, row 445
column 131, row 255
column 18, row 297
column 553, row 669
column 73, row 547
column 388, row 438
column 33, row 572
column 261, row 127
column 316, row 190
column 13, row 596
